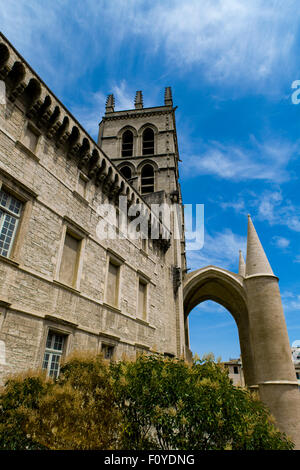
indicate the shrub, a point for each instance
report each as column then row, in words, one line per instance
column 169, row 404
column 20, row 396
column 80, row 412
column 151, row 403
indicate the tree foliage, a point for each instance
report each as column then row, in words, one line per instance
column 151, row 403
column 20, row 397
column 169, row 404
column 80, row 411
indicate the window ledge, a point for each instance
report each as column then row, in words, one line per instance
column 60, row 320
column 115, row 256
column 142, row 346
column 76, row 226
column 143, row 322
column 112, row 307
column 108, row 336
column 65, row 286
column 25, row 149
column 143, row 275
column 9, row 261
column 80, row 198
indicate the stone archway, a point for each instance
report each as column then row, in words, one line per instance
column 225, row 288
column 254, row 301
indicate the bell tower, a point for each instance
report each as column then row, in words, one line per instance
column 142, row 143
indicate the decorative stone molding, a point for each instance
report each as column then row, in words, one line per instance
column 53, row 120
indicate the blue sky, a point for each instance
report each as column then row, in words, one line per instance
column 231, row 65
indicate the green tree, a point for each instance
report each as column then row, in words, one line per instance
column 20, row 397
column 79, row 413
column 151, row 403
column 169, row 404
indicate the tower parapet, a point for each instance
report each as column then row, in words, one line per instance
column 138, row 102
column 168, row 96
column 110, row 104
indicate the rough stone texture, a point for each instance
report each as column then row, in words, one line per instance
column 34, row 299
column 46, row 179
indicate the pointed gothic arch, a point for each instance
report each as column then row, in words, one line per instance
column 253, row 298
column 126, row 141
column 226, row 289
column 147, row 135
column 126, row 172
column 147, row 179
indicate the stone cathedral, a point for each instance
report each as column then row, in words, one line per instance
column 64, row 288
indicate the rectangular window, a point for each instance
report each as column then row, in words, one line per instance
column 142, row 299
column 69, row 260
column 235, row 369
column 30, row 139
column 112, row 284
column 10, row 213
column 107, row 351
column 53, row 353
column 82, row 185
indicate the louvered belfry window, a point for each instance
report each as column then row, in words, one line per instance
column 148, row 141
column 147, row 179
column 127, row 144
column 126, row 172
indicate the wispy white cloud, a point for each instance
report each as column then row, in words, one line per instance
column 235, row 42
column 258, row 161
column 214, row 251
column 280, row 242
column 123, row 96
column 209, row 307
column 276, row 210
column 291, row 301
column 238, row 206
column 269, row 206
column 90, row 113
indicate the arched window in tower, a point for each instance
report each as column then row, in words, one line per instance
column 126, row 172
column 147, row 179
column 148, row 141
column 127, row 144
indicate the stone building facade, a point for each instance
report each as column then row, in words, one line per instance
column 65, row 285
column 64, row 288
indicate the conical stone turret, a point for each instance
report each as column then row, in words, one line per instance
column 242, row 265
column 274, row 370
column 256, row 261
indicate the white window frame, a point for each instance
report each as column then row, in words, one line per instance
column 6, row 211
column 53, row 352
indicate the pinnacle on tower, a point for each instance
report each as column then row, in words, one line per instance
column 110, row 104
column 138, row 102
column 256, row 261
column 168, row 96
column 242, row 265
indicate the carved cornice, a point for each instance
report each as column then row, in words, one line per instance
column 115, row 117
column 53, row 120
